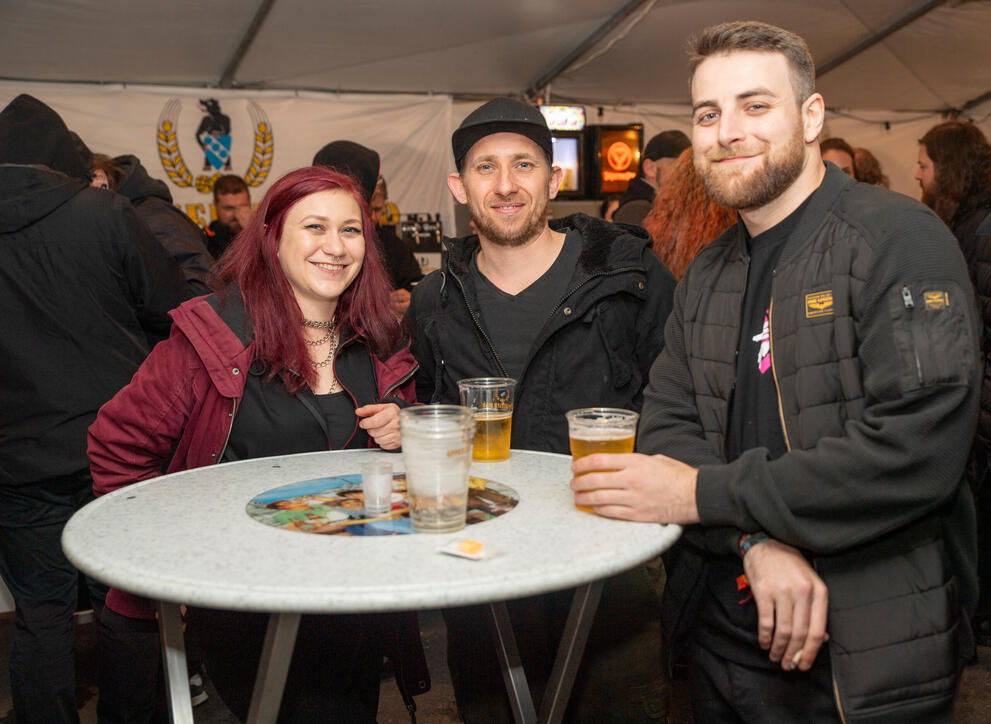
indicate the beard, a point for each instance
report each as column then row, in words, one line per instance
column 516, row 233
column 737, row 190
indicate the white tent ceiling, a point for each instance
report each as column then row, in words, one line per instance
column 903, row 54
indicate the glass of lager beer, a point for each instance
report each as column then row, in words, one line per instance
column 492, row 400
column 601, row 430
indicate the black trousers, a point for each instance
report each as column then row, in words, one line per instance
column 621, row 677
column 334, row 676
column 45, row 588
column 724, row 692
column 132, row 688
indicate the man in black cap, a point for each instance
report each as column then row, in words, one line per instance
column 660, row 154
column 574, row 310
column 363, row 164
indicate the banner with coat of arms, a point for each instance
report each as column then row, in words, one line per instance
column 190, row 137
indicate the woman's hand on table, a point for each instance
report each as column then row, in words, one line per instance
column 381, row 422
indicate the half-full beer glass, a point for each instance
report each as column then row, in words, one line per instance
column 601, row 430
column 492, row 400
column 437, row 453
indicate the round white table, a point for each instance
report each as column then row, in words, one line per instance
column 186, row 539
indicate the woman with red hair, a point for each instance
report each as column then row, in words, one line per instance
column 684, row 218
column 297, row 351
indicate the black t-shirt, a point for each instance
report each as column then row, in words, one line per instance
column 513, row 321
column 270, row 421
column 728, row 614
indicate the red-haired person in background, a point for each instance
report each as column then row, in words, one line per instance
column 684, row 218
column 297, row 351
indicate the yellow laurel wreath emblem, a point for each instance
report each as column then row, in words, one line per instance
column 261, row 155
column 174, row 165
column 168, row 145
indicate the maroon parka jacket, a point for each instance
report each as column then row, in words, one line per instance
column 184, row 397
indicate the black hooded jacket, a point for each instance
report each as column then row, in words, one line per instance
column 182, row 239
column 594, row 350
column 84, row 288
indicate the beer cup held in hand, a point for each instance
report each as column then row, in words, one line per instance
column 492, row 400
column 601, row 430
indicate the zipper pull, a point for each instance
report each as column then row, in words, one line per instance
column 907, row 299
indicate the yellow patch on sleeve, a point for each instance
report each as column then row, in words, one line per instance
column 936, row 300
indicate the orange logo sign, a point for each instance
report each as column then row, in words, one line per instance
column 619, row 156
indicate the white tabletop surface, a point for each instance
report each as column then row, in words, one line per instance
column 186, row 538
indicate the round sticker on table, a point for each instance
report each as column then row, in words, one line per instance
column 334, row 506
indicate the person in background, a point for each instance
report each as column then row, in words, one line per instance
column 85, row 291
column 808, row 421
column 386, row 212
column 684, row 218
column 839, row 152
column 573, row 309
column 363, row 164
column 607, row 208
column 955, row 176
column 867, row 169
column 179, row 236
column 232, row 202
column 325, row 366
column 658, row 157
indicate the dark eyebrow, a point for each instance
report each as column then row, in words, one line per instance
column 516, row 157
column 750, row 93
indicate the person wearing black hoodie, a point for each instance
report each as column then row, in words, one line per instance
column 85, row 292
column 176, row 232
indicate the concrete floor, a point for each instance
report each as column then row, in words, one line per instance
column 437, row 705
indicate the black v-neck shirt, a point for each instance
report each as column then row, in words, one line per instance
column 727, row 622
column 513, row 321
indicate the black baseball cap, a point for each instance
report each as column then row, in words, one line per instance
column 667, row 144
column 501, row 115
column 352, row 159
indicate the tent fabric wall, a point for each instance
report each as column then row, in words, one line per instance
column 411, row 134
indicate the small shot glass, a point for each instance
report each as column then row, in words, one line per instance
column 376, row 487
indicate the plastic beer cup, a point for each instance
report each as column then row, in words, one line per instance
column 601, row 430
column 437, row 453
column 492, row 400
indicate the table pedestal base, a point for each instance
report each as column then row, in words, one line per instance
column 280, row 639
column 174, row 663
column 569, row 656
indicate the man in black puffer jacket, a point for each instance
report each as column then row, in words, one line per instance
column 808, row 421
column 85, row 291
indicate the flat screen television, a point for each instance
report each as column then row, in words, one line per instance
column 569, row 155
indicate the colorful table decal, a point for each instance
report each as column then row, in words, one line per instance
column 334, row 506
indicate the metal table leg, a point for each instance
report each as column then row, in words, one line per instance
column 512, row 667
column 280, row 639
column 569, row 652
column 174, row 662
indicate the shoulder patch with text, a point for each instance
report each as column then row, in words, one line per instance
column 936, row 300
column 819, row 304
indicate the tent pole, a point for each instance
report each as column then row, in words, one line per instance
column 564, row 63
column 227, row 79
column 877, row 36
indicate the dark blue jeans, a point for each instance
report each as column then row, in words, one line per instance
column 44, row 587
